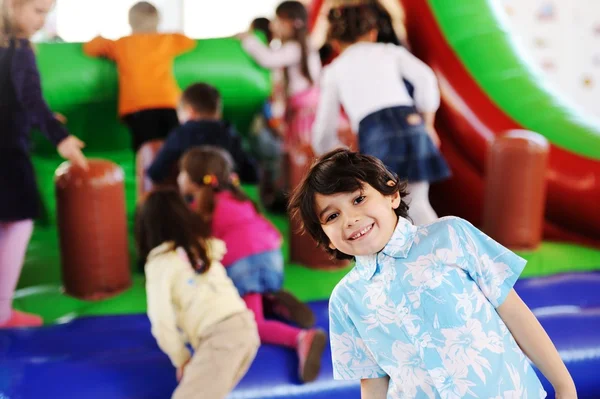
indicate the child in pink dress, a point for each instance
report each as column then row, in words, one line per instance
column 253, row 260
column 301, row 65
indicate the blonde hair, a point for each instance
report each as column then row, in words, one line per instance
column 6, row 24
column 143, row 17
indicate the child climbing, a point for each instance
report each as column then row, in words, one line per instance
column 254, row 260
column 22, row 107
column 191, row 300
column 367, row 79
column 148, row 92
column 301, row 65
column 200, row 113
column 427, row 311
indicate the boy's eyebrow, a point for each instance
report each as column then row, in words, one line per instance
column 323, row 212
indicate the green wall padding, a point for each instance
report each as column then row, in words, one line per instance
column 84, row 89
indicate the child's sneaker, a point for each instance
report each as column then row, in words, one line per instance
column 21, row 319
column 311, row 344
column 284, row 305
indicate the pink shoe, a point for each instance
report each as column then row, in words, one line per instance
column 286, row 306
column 21, row 319
column 311, row 344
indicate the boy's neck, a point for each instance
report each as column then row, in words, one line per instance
column 201, row 117
column 143, row 31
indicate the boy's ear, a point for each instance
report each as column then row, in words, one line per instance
column 395, row 198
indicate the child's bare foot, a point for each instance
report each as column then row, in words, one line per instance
column 284, row 305
column 311, row 344
column 21, row 319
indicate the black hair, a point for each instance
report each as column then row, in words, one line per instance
column 341, row 171
column 203, row 98
column 348, row 23
column 263, row 25
column 295, row 12
column 216, row 163
column 163, row 216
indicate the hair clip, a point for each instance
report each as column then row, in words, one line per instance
column 235, row 180
column 210, row 180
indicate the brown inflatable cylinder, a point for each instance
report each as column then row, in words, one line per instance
column 303, row 249
column 144, row 158
column 92, row 227
column 515, row 189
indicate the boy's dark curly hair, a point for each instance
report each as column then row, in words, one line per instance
column 341, row 171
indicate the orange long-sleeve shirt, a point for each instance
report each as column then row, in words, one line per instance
column 145, row 66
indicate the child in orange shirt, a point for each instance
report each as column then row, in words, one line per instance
column 148, row 92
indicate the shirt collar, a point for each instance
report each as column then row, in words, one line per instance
column 397, row 247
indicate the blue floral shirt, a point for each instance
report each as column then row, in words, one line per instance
column 423, row 312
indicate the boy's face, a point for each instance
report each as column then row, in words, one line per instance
column 358, row 223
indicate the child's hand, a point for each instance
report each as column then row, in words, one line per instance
column 70, row 148
column 180, row 370
column 60, row 117
column 434, row 136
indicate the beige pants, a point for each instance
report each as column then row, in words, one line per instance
column 222, row 358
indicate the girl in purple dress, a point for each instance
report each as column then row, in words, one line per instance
column 22, row 107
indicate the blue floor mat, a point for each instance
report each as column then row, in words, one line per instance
column 117, row 357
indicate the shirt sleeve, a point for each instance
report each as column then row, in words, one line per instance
column 101, row 47
column 494, row 267
column 159, row 292
column 28, row 87
column 351, row 358
column 182, row 43
column 421, row 76
column 325, row 128
column 287, row 55
column 169, row 153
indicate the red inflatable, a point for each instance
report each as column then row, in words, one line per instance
column 467, row 123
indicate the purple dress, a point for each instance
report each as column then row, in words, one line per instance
column 22, row 107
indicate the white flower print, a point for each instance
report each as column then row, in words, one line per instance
column 518, row 392
column 423, row 342
column 410, row 370
column 488, row 274
column 464, row 345
column 427, row 272
column 422, row 232
column 414, row 296
column 451, row 380
column 471, row 303
column 491, row 275
column 423, row 307
column 407, row 319
column 383, row 314
column 350, row 353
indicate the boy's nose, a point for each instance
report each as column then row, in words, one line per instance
column 352, row 220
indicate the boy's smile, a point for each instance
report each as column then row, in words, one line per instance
column 360, row 222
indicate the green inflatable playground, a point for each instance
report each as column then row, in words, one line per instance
column 487, row 88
